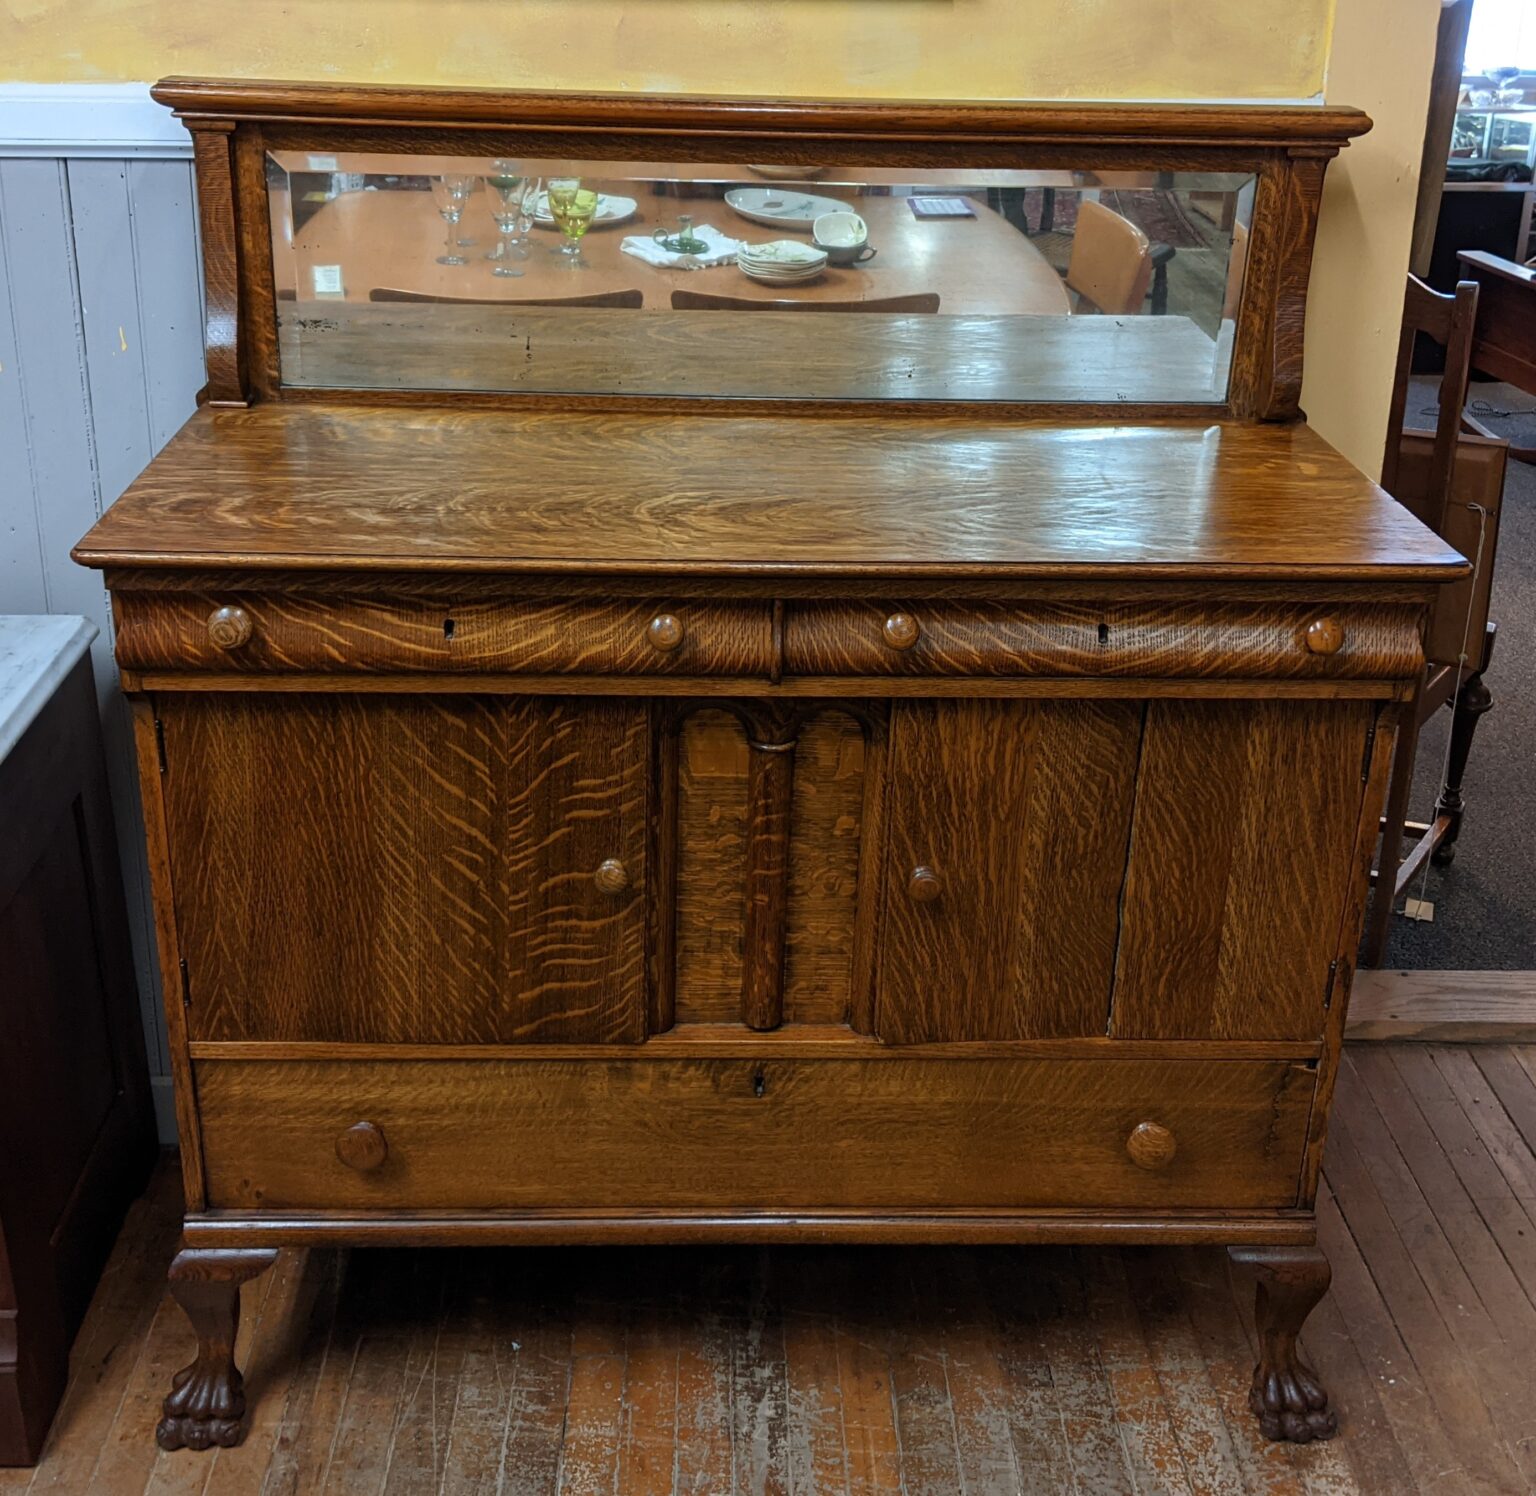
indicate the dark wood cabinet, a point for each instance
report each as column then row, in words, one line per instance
column 604, row 816
column 77, row 1133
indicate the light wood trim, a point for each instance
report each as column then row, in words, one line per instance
column 565, row 1228
column 859, row 119
column 1452, row 1007
column 1000, row 687
column 797, row 1042
column 158, row 847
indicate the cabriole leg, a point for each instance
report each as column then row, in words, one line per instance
column 1287, row 1397
column 206, row 1403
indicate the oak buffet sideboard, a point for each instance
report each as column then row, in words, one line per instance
column 627, row 766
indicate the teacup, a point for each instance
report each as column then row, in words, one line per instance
column 844, row 237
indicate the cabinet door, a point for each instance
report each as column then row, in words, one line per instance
column 1242, row 850
column 408, row 869
column 1006, row 838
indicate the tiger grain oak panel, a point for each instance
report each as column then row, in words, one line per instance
column 1217, row 639
column 292, row 632
column 1239, row 868
column 826, row 824
column 407, row 869
column 1017, row 813
column 731, row 1135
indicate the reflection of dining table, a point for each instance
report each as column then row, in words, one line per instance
column 390, row 239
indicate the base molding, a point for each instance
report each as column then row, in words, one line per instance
column 1449, row 1007
column 569, row 1228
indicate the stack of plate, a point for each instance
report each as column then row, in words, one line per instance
column 784, row 262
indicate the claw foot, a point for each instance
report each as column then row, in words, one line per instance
column 206, row 1406
column 1291, row 1405
column 1287, row 1398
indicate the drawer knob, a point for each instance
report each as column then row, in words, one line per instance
column 901, row 631
column 362, row 1147
column 1151, row 1146
column 611, row 876
column 665, row 633
column 229, row 627
column 924, row 885
column 1325, row 636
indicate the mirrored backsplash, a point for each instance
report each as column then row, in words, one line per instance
column 596, row 277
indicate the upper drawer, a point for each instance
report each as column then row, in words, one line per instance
column 1218, row 639
column 283, row 632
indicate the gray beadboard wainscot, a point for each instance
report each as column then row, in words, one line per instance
column 101, row 359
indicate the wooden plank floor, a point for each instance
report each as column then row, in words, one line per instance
column 925, row 1371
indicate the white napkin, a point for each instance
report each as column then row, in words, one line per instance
column 721, row 251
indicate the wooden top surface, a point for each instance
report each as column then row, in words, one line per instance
column 429, row 489
column 391, row 239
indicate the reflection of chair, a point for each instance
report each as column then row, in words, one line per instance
column 596, row 298
column 1440, row 476
column 1111, row 263
column 1237, row 262
column 705, row 301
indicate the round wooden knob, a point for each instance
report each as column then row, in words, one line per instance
column 664, row 632
column 924, row 885
column 1325, row 636
column 611, row 876
column 901, row 631
column 1151, row 1146
column 229, row 628
column 362, row 1147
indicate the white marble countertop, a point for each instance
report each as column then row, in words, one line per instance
column 36, row 653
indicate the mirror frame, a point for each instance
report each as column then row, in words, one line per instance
column 234, row 124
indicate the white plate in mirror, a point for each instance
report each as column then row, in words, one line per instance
column 781, row 209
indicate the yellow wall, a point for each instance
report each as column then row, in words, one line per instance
column 925, row 48
column 1383, row 53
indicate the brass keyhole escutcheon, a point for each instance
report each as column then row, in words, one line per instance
column 665, row 632
column 901, row 631
column 1151, row 1146
column 229, row 627
column 362, row 1147
column 924, row 885
column 611, row 877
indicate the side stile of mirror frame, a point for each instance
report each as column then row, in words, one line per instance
column 234, row 123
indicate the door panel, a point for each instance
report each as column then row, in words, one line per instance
column 1246, row 816
column 1021, row 810
column 407, row 869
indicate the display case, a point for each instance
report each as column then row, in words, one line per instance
column 878, row 739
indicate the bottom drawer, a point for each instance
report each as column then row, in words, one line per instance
column 744, row 1134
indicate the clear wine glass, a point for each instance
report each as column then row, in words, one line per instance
column 508, row 191
column 450, row 194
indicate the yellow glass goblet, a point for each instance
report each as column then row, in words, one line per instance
column 573, row 207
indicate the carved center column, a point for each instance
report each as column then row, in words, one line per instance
column 772, row 732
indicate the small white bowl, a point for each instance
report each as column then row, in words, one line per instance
column 844, row 236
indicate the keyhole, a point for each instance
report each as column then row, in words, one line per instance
column 447, row 628
column 759, row 1082
column 1103, row 633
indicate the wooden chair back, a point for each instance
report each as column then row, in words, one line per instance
column 596, row 298
column 1237, row 264
column 1111, row 261
column 708, row 301
column 1449, row 321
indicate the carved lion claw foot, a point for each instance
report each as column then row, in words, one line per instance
column 206, row 1403
column 1290, row 1404
column 206, row 1406
column 1287, row 1398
